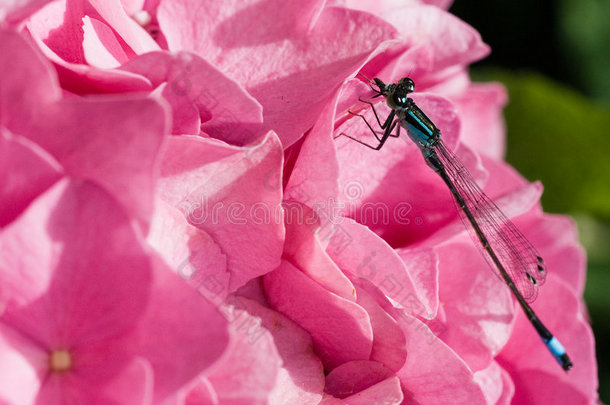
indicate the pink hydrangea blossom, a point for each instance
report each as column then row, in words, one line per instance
column 182, row 221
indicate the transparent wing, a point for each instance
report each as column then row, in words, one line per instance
column 517, row 255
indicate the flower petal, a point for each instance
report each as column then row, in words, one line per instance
column 387, row 391
column 114, row 142
column 290, row 59
column 355, row 376
column 65, row 226
column 25, row 172
column 389, row 347
column 225, row 191
column 304, row 249
column 480, row 109
column 477, row 305
column 190, row 334
column 22, row 365
column 190, row 251
column 496, row 384
column 300, row 379
column 28, row 84
column 452, row 41
column 528, row 361
column 326, row 316
column 433, row 373
column 223, row 108
column 58, row 31
column 16, row 11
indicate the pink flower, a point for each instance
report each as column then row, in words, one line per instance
column 182, row 222
column 91, row 316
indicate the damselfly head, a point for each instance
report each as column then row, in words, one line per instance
column 406, row 84
column 398, row 93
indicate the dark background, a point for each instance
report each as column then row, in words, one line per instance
column 554, row 58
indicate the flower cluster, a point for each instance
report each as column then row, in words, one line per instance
column 182, row 221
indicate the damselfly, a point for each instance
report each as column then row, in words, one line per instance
column 505, row 248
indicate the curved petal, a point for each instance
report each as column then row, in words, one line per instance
column 26, row 171
column 221, row 106
column 433, row 373
column 224, row 190
column 326, row 316
column 527, row 360
column 291, row 59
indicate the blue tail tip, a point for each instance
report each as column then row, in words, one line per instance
column 559, row 352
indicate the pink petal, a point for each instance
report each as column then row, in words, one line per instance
column 134, row 385
column 90, row 312
column 444, row 4
column 355, row 376
column 133, row 6
column 480, row 109
column 202, row 394
column 69, row 214
column 300, row 379
column 101, row 46
column 25, row 172
column 190, row 251
column 385, row 392
column 226, row 110
column 313, row 180
column 247, row 374
column 22, row 366
column 547, row 390
column 304, row 249
column 378, row 7
column 433, row 373
column 59, row 27
column 114, row 15
column 286, row 56
column 478, row 307
column 385, row 6
column 254, row 291
column 496, row 384
column 423, row 266
column 529, row 362
column 327, row 317
column 58, row 32
column 389, row 346
column 219, row 189
column 365, row 255
column 330, row 400
column 451, row 41
column 114, row 142
column 181, row 334
column 503, row 179
column 14, row 12
column 270, row 361
column 84, row 79
column 28, row 83
column 131, row 386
